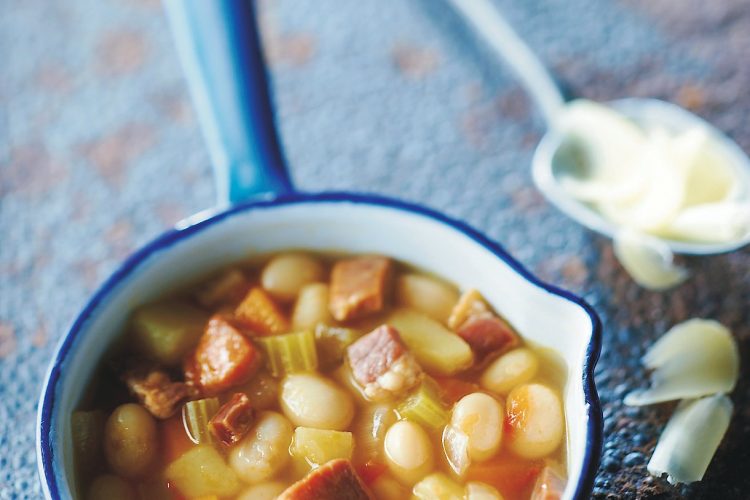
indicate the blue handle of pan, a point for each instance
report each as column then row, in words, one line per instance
column 220, row 48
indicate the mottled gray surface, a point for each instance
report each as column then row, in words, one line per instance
column 100, row 151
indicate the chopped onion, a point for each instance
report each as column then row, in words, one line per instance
column 647, row 260
column 456, row 447
column 690, row 439
column 693, row 359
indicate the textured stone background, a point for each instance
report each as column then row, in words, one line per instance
column 100, row 151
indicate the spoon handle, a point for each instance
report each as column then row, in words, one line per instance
column 499, row 35
column 222, row 56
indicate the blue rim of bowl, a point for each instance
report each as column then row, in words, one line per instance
column 594, row 432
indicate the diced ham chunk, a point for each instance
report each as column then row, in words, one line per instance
column 550, row 484
column 224, row 358
column 487, row 334
column 260, row 313
column 483, row 330
column 359, row 286
column 381, row 365
column 336, row 479
column 233, row 420
column 155, row 390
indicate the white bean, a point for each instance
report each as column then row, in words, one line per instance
column 385, row 487
column 480, row 417
column 427, row 295
column 264, row 451
column 312, row 401
column 130, row 440
column 263, row 491
column 536, row 417
column 110, row 487
column 408, row 451
column 286, row 274
column 311, row 307
column 481, row 491
column 512, row 369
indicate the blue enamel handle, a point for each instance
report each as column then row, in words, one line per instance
column 222, row 56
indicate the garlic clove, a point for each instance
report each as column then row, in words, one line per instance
column 693, row 359
column 690, row 439
column 647, row 260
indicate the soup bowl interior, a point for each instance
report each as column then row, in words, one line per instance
column 330, row 222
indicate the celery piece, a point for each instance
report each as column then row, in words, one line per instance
column 87, row 430
column 425, row 407
column 289, row 353
column 203, row 472
column 318, row 446
column 331, row 343
column 196, row 415
column 166, row 331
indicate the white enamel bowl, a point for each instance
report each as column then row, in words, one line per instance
column 333, row 221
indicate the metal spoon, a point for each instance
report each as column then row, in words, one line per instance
column 648, row 113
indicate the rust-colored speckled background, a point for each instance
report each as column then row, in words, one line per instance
column 100, row 151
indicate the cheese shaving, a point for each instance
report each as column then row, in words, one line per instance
column 598, row 149
column 690, row 439
column 679, row 185
column 711, row 223
column 648, row 260
column 693, row 359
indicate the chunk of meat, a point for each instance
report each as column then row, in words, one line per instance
column 233, row 420
column 488, row 334
column 359, row 286
column 155, row 390
column 224, row 358
column 335, row 479
column 260, row 313
column 381, row 365
column 550, row 484
column 483, row 330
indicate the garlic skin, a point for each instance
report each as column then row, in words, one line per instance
column 695, row 358
column 690, row 439
column 647, row 260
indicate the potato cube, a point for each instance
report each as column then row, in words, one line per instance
column 437, row 349
column 166, row 331
column 318, row 446
column 202, row 472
